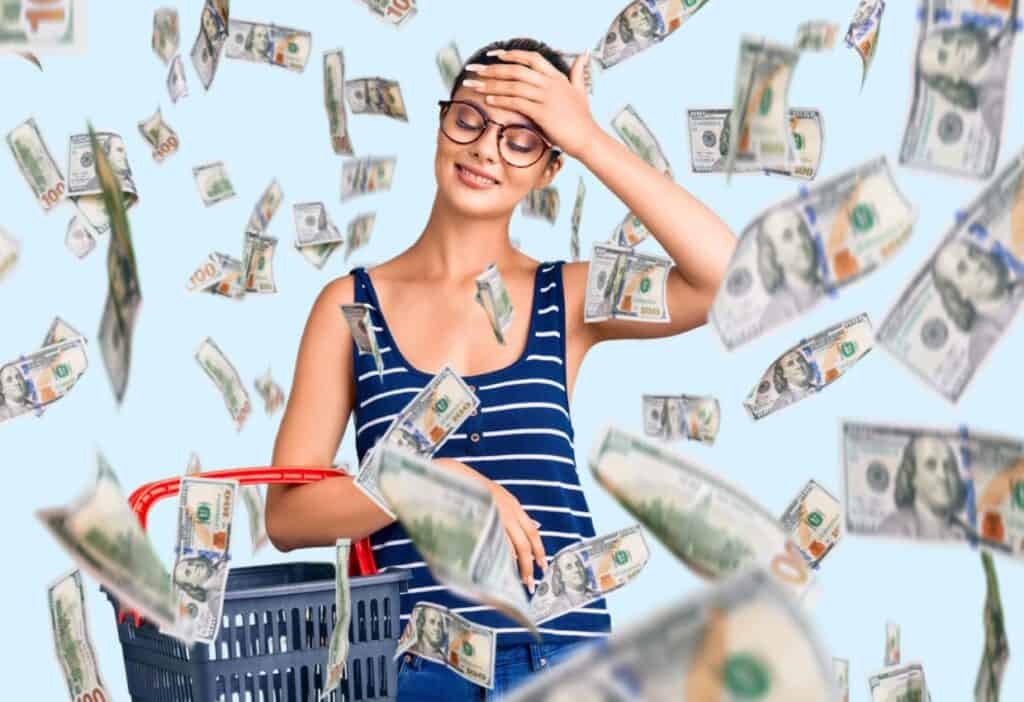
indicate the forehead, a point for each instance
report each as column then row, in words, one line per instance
column 498, row 114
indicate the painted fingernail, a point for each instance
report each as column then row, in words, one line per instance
column 495, row 52
column 476, row 67
column 530, row 586
column 469, row 82
column 488, row 99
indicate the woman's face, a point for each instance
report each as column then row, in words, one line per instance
column 974, row 273
column 933, row 463
column 794, row 251
column 11, row 385
column 510, row 184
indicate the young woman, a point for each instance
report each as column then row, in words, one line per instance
column 515, row 110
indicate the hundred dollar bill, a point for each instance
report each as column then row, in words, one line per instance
column 709, row 524
column 841, row 668
column 577, row 213
column 449, row 64
column 258, row 263
column 862, row 35
column 360, row 325
column 588, row 570
column 103, row 536
column 892, row 643
column 798, row 251
column 337, row 653
column 267, row 43
column 812, row 365
column 641, row 25
column 9, row 250
column 492, row 295
column 745, row 639
column 454, row 523
column 358, row 232
column 317, row 254
column 160, row 136
column 265, row 208
column 640, row 139
column 206, row 509
column 628, row 233
column 961, row 75
column 71, row 637
column 570, row 57
column 41, row 378
column 218, row 274
column 996, row 654
column 334, row 90
column 709, row 143
column 998, row 488
column 758, row 123
column 622, row 284
column 255, row 508
column 370, row 174
column 270, row 391
column 84, row 188
column 440, row 635
column 79, row 238
column 816, row 35
column 899, row 682
column 542, row 203
column 165, row 32
column 55, row 27
column 421, row 427
column 177, row 85
column 194, row 466
column 60, row 331
column 36, row 164
column 674, row 417
column 813, row 521
column 213, row 33
column 225, row 377
column 375, row 96
column 394, row 12
column 960, row 303
column 213, row 182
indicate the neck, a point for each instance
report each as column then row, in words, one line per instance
column 454, row 245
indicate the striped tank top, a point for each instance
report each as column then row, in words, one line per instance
column 521, row 437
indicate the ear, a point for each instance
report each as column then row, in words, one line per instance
column 550, row 171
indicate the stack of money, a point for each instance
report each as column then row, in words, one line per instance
column 267, row 43
column 334, row 88
column 862, row 35
column 492, row 295
column 899, row 682
column 360, row 325
column 577, row 213
column 394, row 12
column 270, row 391
column 436, row 633
column 165, row 32
column 996, row 653
column 813, row 521
column 674, row 417
column 9, row 250
column 33, row 382
column 177, row 85
column 370, row 174
column 541, row 203
column 375, row 96
column 160, row 136
column 892, row 643
column 640, row 139
column 358, row 232
column 71, row 638
column 622, row 284
column 213, row 33
column 337, row 652
column 960, row 303
column 223, row 374
column 36, row 164
column 449, row 64
column 641, row 25
column 213, row 182
column 84, row 189
column 799, row 250
column 816, row 35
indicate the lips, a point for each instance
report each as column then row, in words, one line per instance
column 476, row 176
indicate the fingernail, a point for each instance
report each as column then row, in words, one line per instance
column 495, row 52
column 470, row 83
column 530, row 586
column 474, row 67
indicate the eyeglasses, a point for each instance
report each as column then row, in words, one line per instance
column 520, row 146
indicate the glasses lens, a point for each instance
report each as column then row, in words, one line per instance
column 462, row 123
column 520, row 146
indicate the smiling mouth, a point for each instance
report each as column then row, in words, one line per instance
column 471, row 176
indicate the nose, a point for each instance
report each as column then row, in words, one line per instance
column 485, row 147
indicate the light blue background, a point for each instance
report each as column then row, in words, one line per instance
column 266, row 122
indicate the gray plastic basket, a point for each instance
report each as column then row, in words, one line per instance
column 273, row 641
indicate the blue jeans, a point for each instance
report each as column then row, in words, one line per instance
column 423, row 680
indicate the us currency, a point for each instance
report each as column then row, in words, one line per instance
column 43, row 377
column 9, row 250
column 892, row 643
column 454, row 523
column 570, row 57
column 809, row 367
column 218, row 274
column 160, row 136
column 265, row 208
column 258, row 263
column 83, row 184
column 313, row 226
column 674, row 417
column 165, row 32
column 360, row 325
column 542, row 203
column 816, row 35
column 267, row 43
column 622, row 284
column 577, row 213
column 225, row 377
column 318, row 254
column 709, row 143
column 337, row 653
column 421, row 427
column 758, row 122
column 449, row 64
column 796, row 252
column 996, row 654
column 492, row 295
column 213, row 33
column 813, row 521
column 440, row 635
column 194, row 466
column 709, row 524
column 640, row 139
column 630, row 232
column 960, row 302
column 255, row 508
column 270, row 392
column 375, row 96
column 36, row 164
column 103, row 536
column 899, row 682
column 75, row 652
column 641, row 25
column 358, row 232
column 588, row 570
column 79, row 238
column 862, row 35
column 206, row 508
column 213, row 182
column 50, row 27
column 370, row 174
column 744, row 639
column 394, row 12
column 334, row 90
column 177, row 85
column 841, row 668
column 885, row 497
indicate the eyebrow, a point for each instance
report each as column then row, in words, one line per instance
column 527, row 123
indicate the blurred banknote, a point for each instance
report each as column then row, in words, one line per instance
column 961, row 76
column 640, row 139
column 798, row 251
column 892, row 643
column 75, row 652
column 255, row 508
column 709, row 143
column 218, row 274
column 226, row 378
column 674, row 417
column 862, row 35
column 541, row 203
column 996, row 652
column 84, row 188
column 334, row 90
column 213, row 33
column 43, row 26
column 337, row 652
column 358, row 232
column 370, row 174
column 816, row 35
column 313, row 226
column 449, row 64
column 270, row 392
column 641, row 25
column 710, row 525
column 317, row 254
column 440, row 635
column 588, row 570
column 813, row 521
column 745, row 639
column 9, row 250
column 41, row 378
column 811, row 366
column 213, row 182
column 177, row 84
column 960, row 303
column 577, row 213
column 628, row 233
column 258, row 263
column 394, row 12
column 899, row 683
column 267, row 43
column 622, row 284
column 360, row 325
column 36, row 164
column 165, row 32
column 492, row 295
column 375, row 96
column 265, row 208
column 841, row 668
column 160, row 136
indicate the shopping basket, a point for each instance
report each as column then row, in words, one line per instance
column 276, row 626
